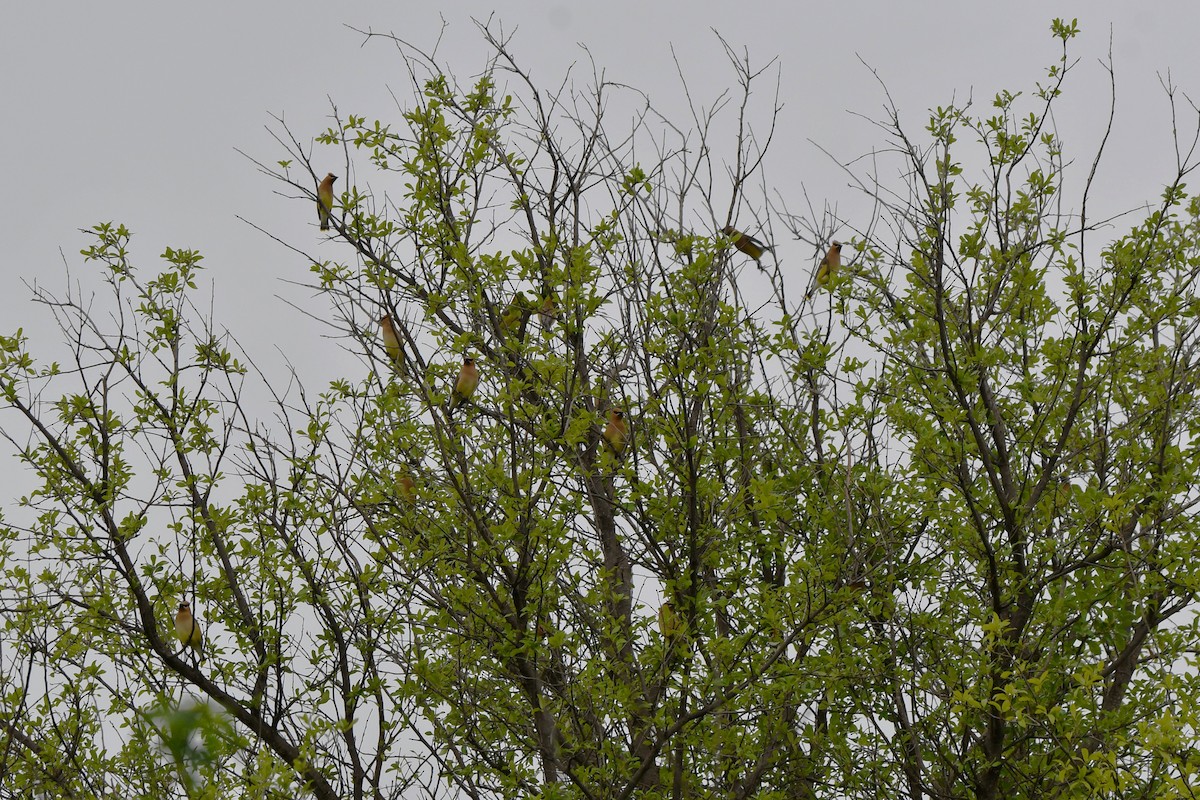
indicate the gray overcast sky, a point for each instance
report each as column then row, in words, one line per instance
column 131, row 111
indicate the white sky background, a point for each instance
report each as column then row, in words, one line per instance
column 131, row 112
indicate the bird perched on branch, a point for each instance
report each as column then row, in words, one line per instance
column 406, row 487
column 325, row 200
column 616, row 433
column 829, row 264
column 514, row 314
column 669, row 623
column 548, row 311
column 391, row 338
column 187, row 628
column 745, row 242
column 466, row 383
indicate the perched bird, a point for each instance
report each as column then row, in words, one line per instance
column 466, row 384
column 669, row 623
column 616, row 433
column 407, row 487
column 186, row 628
column 514, row 313
column 828, row 265
column 391, row 338
column 325, row 200
column 548, row 311
column 745, row 242
column 1064, row 495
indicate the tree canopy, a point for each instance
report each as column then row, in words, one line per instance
column 927, row 533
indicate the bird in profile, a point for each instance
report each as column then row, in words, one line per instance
column 548, row 312
column 391, row 338
column 466, row 383
column 407, row 487
column 616, row 433
column 514, row 314
column 325, row 200
column 669, row 623
column 745, row 242
column 187, row 628
column 829, row 264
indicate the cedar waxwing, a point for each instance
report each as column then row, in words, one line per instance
column 745, row 242
column 391, row 338
column 829, row 265
column 514, row 312
column 1064, row 495
column 466, row 384
column 325, row 200
column 186, row 628
column 548, row 311
column 407, row 487
column 669, row 623
column 616, row 433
